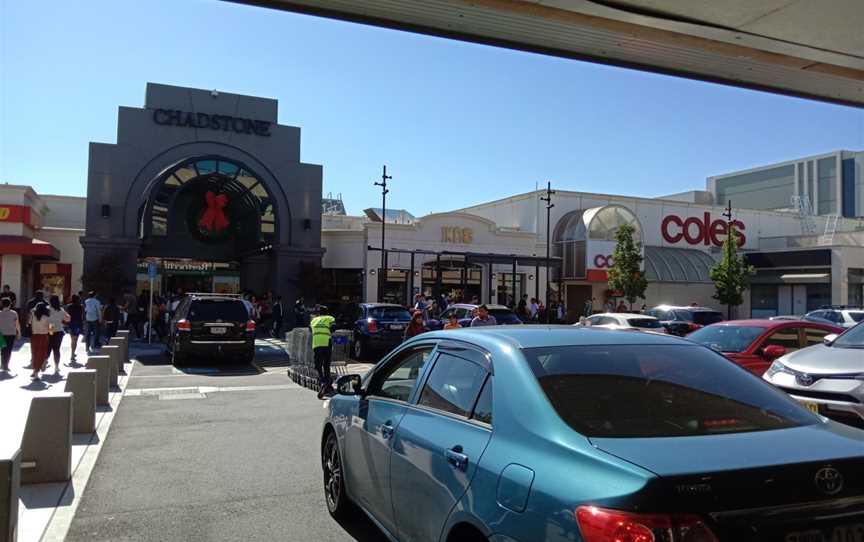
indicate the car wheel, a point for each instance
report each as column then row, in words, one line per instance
column 177, row 358
column 360, row 349
column 338, row 503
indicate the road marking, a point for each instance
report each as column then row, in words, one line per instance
column 207, row 389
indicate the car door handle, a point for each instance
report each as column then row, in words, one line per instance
column 387, row 429
column 456, row 458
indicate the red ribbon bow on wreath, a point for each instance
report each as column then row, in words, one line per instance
column 214, row 217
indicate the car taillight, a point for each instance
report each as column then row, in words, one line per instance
column 372, row 325
column 250, row 325
column 184, row 325
column 693, row 327
column 603, row 525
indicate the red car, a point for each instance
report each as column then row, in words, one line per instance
column 755, row 344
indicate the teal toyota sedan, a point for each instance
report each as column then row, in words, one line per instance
column 530, row 433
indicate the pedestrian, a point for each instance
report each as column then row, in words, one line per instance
column 420, row 305
column 278, row 317
column 415, row 326
column 522, row 309
column 644, row 309
column 535, row 310
column 10, row 329
column 38, row 297
column 57, row 318
column 129, row 306
column 443, row 303
column 452, row 321
column 39, row 328
column 322, row 327
column 621, row 307
column 76, row 323
column 92, row 321
column 7, row 293
column 111, row 318
column 483, row 317
column 300, row 312
column 588, row 309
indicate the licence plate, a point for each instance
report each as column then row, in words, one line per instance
column 811, row 406
column 218, row 330
column 397, row 326
column 844, row 533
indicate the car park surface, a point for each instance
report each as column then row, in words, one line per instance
column 755, row 344
column 828, row 378
column 476, row 434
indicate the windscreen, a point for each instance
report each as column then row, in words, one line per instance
column 645, row 323
column 397, row 314
column 505, row 316
column 706, row 318
column 853, row 338
column 857, row 316
column 726, row 338
column 658, row 391
column 210, row 310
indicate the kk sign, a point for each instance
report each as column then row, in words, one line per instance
column 452, row 234
column 15, row 213
column 699, row 230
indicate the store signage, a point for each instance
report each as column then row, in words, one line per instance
column 455, row 234
column 695, row 230
column 15, row 213
column 226, row 123
column 603, row 262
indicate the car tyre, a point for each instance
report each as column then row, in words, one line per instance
column 359, row 349
column 178, row 358
column 338, row 504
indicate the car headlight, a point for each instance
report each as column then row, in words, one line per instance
column 775, row 368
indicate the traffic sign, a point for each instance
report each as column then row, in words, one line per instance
column 151, row 270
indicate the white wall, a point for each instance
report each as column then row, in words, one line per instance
column 66, row 240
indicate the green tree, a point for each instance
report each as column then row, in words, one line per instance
column 731, row 275
column 626, row 274
column 105, row 279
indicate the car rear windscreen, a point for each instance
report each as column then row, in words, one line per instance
column 397, row 314
column 727, row 338
column 645, row 323
column 210, row 310
column 706, row 318
column 658, row 391
column 856, row 315
column 505, row 316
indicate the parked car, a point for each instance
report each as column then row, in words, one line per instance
column 755, row 344
column 841, row 316
column 378, row 328
column 475, row 435
column 827, row 378
column 683, row 320
column 211, row 326
column 620, row 320
column 504, row 316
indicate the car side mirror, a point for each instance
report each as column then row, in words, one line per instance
column 773, row 351
column 348, row 385
column 830, row 338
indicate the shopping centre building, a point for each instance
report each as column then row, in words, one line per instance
column 210, row 189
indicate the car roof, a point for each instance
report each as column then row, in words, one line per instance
column 489, row 306
column 625, row 315
column 761, row 322
column 542, row 335
column 373, row 305
column 683, row 307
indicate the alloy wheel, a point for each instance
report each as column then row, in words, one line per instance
column 332, row 474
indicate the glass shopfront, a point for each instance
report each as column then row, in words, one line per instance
column 185, row 275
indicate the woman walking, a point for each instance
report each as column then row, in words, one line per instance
column 10, row 329
column 416, row 326
column 39, row 326
column 76, row 322
column 57, row 318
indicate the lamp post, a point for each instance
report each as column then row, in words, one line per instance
column 382, row 279
column 728, row 215
column 549, row 205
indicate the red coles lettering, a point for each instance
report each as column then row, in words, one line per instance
column 699, row 230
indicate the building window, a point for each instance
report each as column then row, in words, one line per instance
column 811, row 183
column 827, row 182
column 770, row 188
column 856, row 288
column 818, row 295
column 800, row 176
column 763, row 300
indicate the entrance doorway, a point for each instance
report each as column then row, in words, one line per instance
column 189, row 276
column 577, row 295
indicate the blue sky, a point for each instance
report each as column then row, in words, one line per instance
column 456, row 123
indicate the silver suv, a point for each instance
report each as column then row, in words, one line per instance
column 841, row 316
column 826, row 378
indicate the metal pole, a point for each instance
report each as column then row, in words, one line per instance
column 411, row 282
column 549, row 205
column 489, row 282
column 438, row 275
column 728, row 215
column 150, row 315
column 515, row 301
column 383, row 278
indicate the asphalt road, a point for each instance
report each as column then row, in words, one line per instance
column 237, row 462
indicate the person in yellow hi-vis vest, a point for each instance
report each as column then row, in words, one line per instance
column 322, row 329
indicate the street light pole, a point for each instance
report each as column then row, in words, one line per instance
column 728, row 215
column 382, row 279
column 549, row 205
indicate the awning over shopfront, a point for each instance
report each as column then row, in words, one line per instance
column 25, row 246
column 667, row 264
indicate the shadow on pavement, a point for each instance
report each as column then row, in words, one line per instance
column 52, row 495
column 361, row 528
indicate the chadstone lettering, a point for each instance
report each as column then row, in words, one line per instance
column 226, row 123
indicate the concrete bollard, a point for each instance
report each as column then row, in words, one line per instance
column 10, row 484
column 120, row 342
column 103, row 377
column 115, row 363
column 46, row 449
column 125, row 335
column 82, row 385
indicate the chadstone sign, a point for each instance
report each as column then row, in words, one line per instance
column 226, row 123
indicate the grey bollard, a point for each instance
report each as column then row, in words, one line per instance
column 103, row 377
column 120, row 342
column 10, row 484
column 82, row 385
column 114, row 353
column 47, row 440
column 126, row 336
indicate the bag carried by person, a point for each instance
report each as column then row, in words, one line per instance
column 2, row 341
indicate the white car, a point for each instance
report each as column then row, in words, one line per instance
column 841, row 317
column 623, row 320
